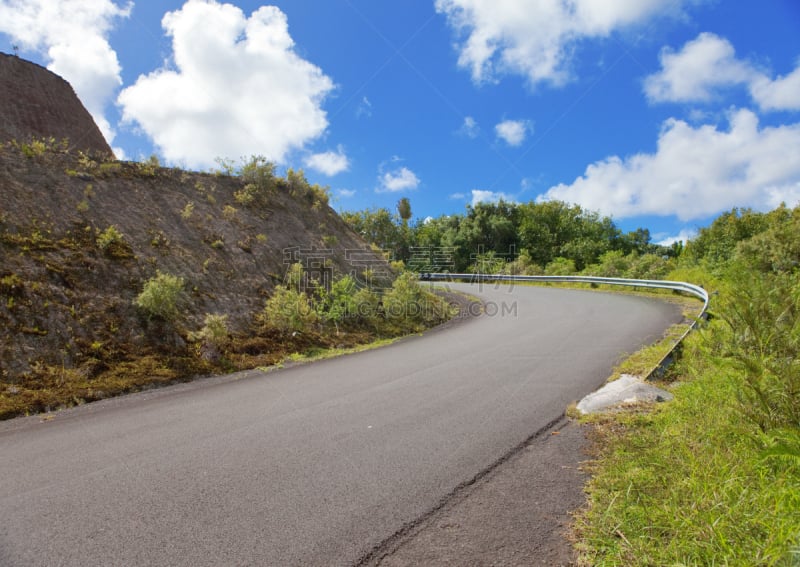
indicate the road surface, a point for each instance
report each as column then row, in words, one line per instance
column 311, row 465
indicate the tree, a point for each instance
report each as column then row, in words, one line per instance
column 376, row 226
column 404, row 210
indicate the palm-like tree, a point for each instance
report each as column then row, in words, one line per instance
column 404, row 210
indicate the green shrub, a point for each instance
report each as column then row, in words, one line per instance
column 161, row 297
column 110, row 238
column 214, row 337
column 561, row 267
column 289, row 310
column 149, row 167
column 319, row 195
column 258, row 171
column 226, row 166
column 35, row 149
column 338, row 303
column 367, row 308
column 258, row 176
column 109, row 168
column 407, row 306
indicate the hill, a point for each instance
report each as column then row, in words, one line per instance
column 40, row 104
column 79, row 239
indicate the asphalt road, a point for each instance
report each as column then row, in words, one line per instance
column 311, row 465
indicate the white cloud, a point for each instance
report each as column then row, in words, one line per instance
column 329, row 163
column 684, row 236
column 513, row 132
column 346, row 193
column 708, row 64
column 535, row 38
column 782, row 93
column 694, row 73
column 457, row 196
column 238, row 88
column 695, row 172
column 400, row 179
column 469, row 128
column 73, row 37
column 480, row 196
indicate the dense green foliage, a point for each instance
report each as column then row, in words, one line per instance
column 301, row 306
column 509, row 237
column 714, row 477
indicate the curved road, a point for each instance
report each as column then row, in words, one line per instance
column 311, row 465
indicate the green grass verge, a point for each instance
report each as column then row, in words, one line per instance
column 689, row 483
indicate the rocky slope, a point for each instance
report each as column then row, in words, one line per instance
column 40, row 104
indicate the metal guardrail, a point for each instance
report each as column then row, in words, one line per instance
column 683, row 287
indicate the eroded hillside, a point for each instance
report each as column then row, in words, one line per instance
column 40, row 104
column 79, row 238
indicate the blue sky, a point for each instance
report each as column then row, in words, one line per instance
column 660, row 113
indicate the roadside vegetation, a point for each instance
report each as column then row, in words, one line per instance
column 713, row 477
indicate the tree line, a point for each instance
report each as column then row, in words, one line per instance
column 524, row 238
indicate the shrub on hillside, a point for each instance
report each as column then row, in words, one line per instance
column 338, row 303
column 112, row 242
column 289, row 310
column 161, row 297
column 214, row 337
column 258, row 176
column 407, row 306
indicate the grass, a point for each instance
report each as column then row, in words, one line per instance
column 645, row 361
column 688, row 483
column 321, row 353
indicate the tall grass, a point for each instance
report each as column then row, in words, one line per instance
column 692, row 482
column 713, row 478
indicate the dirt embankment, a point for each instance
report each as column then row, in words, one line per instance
column 67, row 296
column 40, row 104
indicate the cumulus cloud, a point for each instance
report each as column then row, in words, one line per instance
column 782, row 93
column 708, row 64
column 237, row 88
column 537, row 39
column 329, row 163
column 469, row 128
column 400, row 179
column 694, row 73
column 345, row 193
column 695, row 172
column 512, row 132
column 72, row 35
column 481, row 196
